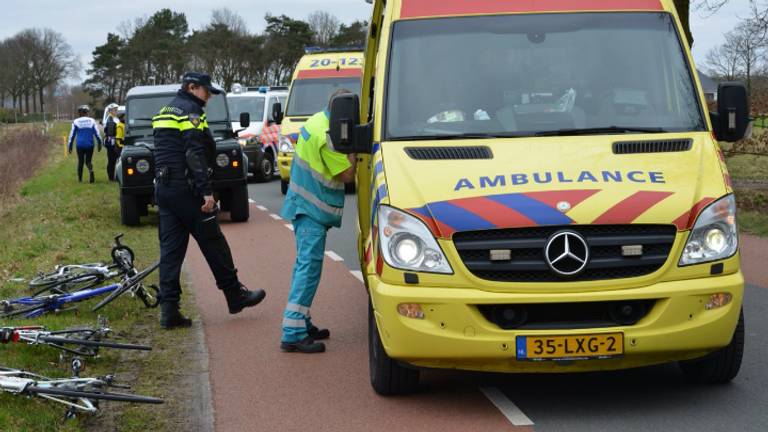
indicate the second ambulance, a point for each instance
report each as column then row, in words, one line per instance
column 540, row 189
column 318, row 74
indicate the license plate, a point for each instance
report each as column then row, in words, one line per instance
column 571, row 347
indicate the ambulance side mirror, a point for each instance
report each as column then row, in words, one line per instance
column 277, row 113
column 245, row 120
column 346, row 134
column 732, row 119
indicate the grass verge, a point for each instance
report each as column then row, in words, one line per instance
column 57, row 220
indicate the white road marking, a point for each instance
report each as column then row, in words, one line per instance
column 289, row 226
column 358, row 274
column 506, row 406
column 251, row 201
column 262, row 208
column 334, row 256
column 275, row 217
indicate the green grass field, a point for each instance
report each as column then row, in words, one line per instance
column 60, row 221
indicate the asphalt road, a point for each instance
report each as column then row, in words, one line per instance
column 646, row 399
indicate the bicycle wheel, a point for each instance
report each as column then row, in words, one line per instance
column 91, row 343
column 126, row 285
column 74, row 284
column 90, row 394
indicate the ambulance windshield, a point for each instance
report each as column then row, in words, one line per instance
column 310, row 96
column 523, row 75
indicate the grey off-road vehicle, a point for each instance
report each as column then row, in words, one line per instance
column 136, row 167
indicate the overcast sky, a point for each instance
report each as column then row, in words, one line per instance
column 85, row 23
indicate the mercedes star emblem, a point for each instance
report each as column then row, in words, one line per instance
column 566, row 253
column 563, row 206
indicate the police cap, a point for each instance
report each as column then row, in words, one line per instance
column 200, row 79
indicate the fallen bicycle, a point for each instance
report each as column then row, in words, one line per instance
column 75, row 277
column 77, row 394
column 131, row 283
column 77, row 341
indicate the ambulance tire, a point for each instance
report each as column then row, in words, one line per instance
column 388, row 377
column 284, row 186
column 720, row 366
column 239, row 208
column 129, row 210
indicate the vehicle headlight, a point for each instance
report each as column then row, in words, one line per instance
column 222, row 160
column 142, row 166
column 407, row 244
column 286, row 146
column 714, row 235
column 243, row 142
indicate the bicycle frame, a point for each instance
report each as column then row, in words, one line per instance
column 56, row 302
column 17, row 382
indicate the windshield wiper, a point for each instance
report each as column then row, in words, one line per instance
column 459, row 136
column 601, row 130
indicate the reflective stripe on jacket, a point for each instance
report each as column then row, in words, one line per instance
column 313, row 190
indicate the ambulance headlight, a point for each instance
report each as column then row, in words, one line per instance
column 222, row 160
column 714, row 236
column 407, row 244
column 286, row 146
column 142, row 166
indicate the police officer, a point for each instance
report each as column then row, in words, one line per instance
column 84, row 132
column 184, row 149
column 110, row 138
column 315, row 202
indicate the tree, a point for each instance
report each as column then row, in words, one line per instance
column 324, row 26
column 51, row 60
column 156, row 52
column 231, row 20
column 353, row 35
column 723, row 62
column 285, row 41
column 106, row 71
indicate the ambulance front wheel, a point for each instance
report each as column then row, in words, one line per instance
column 388, row 377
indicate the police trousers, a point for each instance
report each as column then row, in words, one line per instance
column 310, row 250
column 180, row 217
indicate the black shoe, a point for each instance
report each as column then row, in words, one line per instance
column 306, row 346
column 171, row 318
column 318, row 333
column 240, row 298
column 93, row 179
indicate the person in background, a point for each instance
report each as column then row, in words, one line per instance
column 120, row 135
column 110, row 143
column 314, row 203
column 84, row 132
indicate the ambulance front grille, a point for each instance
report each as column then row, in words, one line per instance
column 657, row 146
column 449, row 153
column 528, row 264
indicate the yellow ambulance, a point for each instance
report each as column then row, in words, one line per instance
column 540, row 189
column 319, row 73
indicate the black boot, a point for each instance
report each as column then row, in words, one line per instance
column 306, row 346
column 93, row 179
column 318, row 333
column 171, row 317
column 240, row 298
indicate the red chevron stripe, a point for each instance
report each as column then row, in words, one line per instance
column 424, row 8
column 328, row 73
column 687, row 219
column 632, row 207
column 573, row 197
column 494, row 212
column 437, row 228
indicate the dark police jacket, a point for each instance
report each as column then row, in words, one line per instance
column 184, row 146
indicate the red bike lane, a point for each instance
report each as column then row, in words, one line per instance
column 256, row 387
